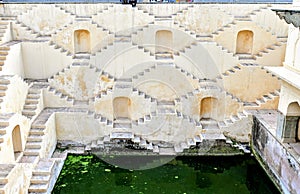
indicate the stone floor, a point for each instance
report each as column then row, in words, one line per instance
column 268, row 118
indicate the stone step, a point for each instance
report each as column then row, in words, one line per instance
column 31, row 101
column 31, row 152
column 5, row 169
column 38, row 188
column 109, row 122
column 2, row 131
column 155, row 149
column 228, row 121
column 2, row 93
column 82, row 56
column 40, row 179
column 122, row 39
column 124, row 80
column 122, row 86
column 178, row 148
column 94, row 144
column 3, row 180
column 29, row 159
column 4, row 123
column 3, row 87
column 163, row 56
column 35, row 89
column 136, row 139
column 4, row 82
column 102, row 120
column 166, row 111
column 235, row 118
column 3, row 27
column 167, row 151
column 3, row 52
column 37, row 123
column 35, row 138
column 228, row 141
column 213, row 136
column 191, row 142
column 80, row 64
column 121, row 135
column 169, row 64
column 184, row 145
column 36, row 131
column 143, row 143
column 33, row 144
column 30, row 107
column 33, row 96
column 106, row 139
column 147, row 117
column 241, row 114
column 276, row 93
column 2, row 188
column 37, row 86
column 4, row 48
column 122, row 125
column 168, row 103
column 150, row 146
column 209, row 124
column 2, row 138
column 4, row 22
column 28, row 112
column 44, row 167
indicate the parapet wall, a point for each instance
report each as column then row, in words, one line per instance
column 279, row 159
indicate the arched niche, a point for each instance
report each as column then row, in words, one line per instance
column 244, row 42
column 82, row 42
column 163, row 42
column 292, row 123
column 121, row 107
column 16, row 140
column 208, row 108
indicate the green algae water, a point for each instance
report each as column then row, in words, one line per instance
column 186, row 174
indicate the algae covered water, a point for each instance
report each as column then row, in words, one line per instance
column 186, row 174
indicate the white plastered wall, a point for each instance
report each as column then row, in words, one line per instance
column 14, row 61
column 41, row 61
column 244, row 83
column 78, row 82
column 78, row 127
column 47, row 18
column 15, row 96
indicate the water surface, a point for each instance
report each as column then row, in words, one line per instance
column 185, row 174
